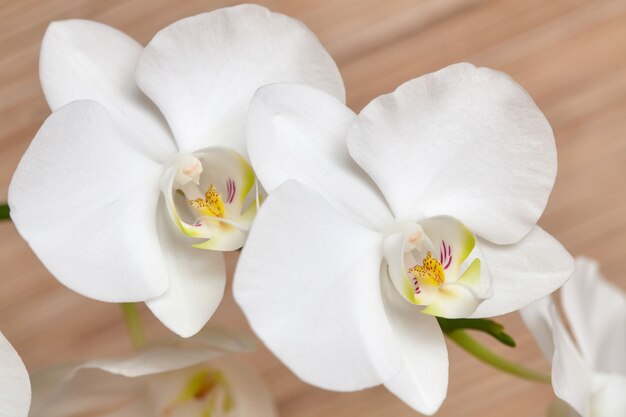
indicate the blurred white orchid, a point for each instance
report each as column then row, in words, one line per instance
column 14, row 382
column 195, row 377
column 144, row 157
column 425, row 202
column 589, row 372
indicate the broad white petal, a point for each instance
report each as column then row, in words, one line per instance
column 85, row 200
column 536, row 316
column 114, row 384
column 85, row 60
column 423, row 380
column 308, row 282
column 571, row 377
column 596, row 312
column 559, row 408
column 523, row 272
column 219, row 387
column 135, row 408
column 298, row 132
column 14, row 382
column 203, row 70
column 608, row 399
column 252, row 397
column 197, row 281
column 464, row 141
column 77, row 389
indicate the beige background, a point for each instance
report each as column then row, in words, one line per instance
column 570, row 56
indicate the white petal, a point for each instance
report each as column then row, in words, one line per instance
column 596, row 312
column 77, row 389
column 85, row 60
column 423, row 381
column 197, row 281
column 85, row 200
column 571, row 378
column 14, row 382
column 559, row 408
column 464, row 141
column 136, row 408
column 608, row 399
column 252, row 397
column 298, row 132
column 109, row 384
column 536, row 316
column 523, row 272
column 203, row 70
column 308, row 282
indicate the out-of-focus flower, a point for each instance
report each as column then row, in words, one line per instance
column 195, row 377
column 425, row 202
column 14, row 382
column 144, row 157
column 588, row 372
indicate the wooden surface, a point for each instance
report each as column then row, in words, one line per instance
column 570, row 56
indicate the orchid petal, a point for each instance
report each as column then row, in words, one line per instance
column 607, row 399
column 251, row 394
column 118, row 384
column 135, row 408
column 241, row 391
column 197, row 281
column 423, row 380
column 523, row 272
column 464, row 141
column 85, row 200
column 571, row 377
column 536, row 316
column 313, row 294
column 202, row 71
column 596, row 312
column 85, row 60
column 297, row 132
column 14, row 382
column 79, row 389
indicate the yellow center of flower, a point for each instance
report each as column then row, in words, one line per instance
column 211, row 205
column 430, row 272
column 206, row 386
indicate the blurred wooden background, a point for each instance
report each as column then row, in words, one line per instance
column 570, row 55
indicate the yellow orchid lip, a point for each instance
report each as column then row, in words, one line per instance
column 429, row 265
column 220, row 215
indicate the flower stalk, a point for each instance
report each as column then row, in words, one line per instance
column 473, row 347
column 133, row 325
column 5, row 212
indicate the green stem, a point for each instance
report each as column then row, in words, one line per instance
column 133, row 324
column 4, row 212
column 470, row 345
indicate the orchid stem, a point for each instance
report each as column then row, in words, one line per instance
column 472, row 346
column 5, row 212
column 133, row 324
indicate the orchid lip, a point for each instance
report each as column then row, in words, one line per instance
column 209, row 196
column 429, row 264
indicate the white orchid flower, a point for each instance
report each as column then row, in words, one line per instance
column 195, row 377
column 14, row 382
column 430, row 208
column 143, row 159
column 589, row 372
